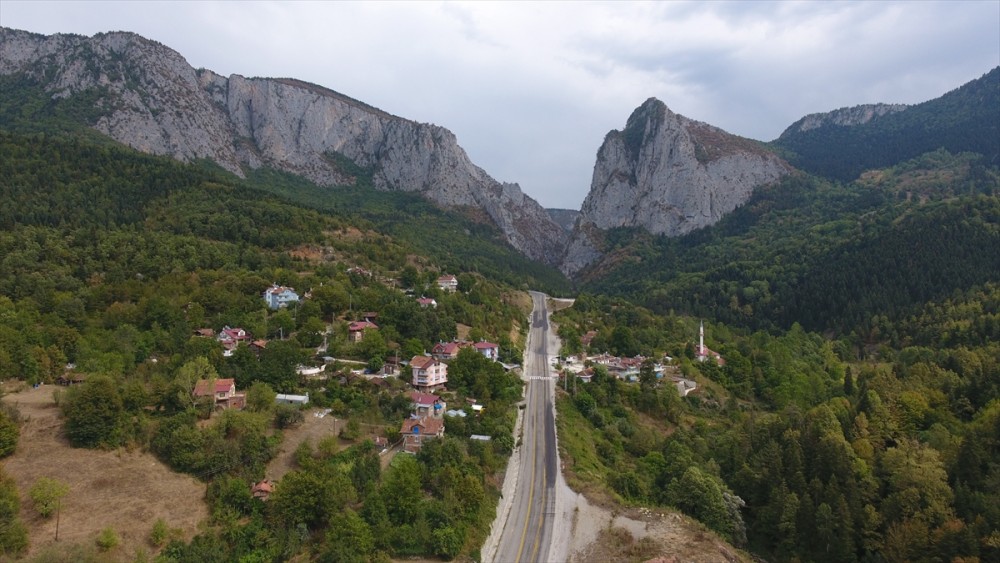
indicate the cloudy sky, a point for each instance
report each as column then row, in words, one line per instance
column 531, row 88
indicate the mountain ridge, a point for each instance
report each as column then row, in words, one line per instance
column 151, row 99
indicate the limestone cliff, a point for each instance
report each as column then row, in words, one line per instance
column 151, row 99
column 668, row 175
column 844, row 117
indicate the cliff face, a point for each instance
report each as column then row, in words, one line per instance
column 152, row 100
column 668, row 175
column 844, row 117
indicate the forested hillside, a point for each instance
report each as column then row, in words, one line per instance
column 827, row 255
column 796, row 448
column 966, row 119
column 112, row 265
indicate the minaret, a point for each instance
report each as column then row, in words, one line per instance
column 701, row 342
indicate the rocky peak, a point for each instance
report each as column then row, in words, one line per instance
column 844, row 117
column 669, row 175
column 155, row 102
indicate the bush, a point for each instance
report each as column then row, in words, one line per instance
column 46, row 493
column 287, row 416
column 9, row 434
column 108, row 539
column 351, row 431
column 13, row 533
column 158, row 536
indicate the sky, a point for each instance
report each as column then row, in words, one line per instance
column 531, row 88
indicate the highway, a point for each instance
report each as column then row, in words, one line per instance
column 527, row 534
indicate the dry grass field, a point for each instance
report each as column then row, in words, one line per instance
column 123, row 490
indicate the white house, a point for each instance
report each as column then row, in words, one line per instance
column 488, row 349
column 278, row 296
column 448, row 283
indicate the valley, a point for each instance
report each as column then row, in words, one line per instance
column 253, row 319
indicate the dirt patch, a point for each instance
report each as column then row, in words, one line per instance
column 602, row 534
column 313, row 429
column 556, row 304
column 521, row 300
column 462, row 331
column 308, row 252
column 123, row 490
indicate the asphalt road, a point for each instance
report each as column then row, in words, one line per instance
column 527, row 533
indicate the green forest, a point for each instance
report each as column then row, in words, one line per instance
column 111, row 260
column 797, row 449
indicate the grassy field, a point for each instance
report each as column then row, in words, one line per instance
column 126, row 491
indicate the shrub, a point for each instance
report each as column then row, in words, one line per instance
column 287, row 416
column 108, row 539
column 158, row 536
column 45, row 495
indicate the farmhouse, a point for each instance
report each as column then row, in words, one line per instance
column 222, row 391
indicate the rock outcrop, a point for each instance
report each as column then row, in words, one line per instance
column 844, row 117
column 668, row 175
column 150, row 98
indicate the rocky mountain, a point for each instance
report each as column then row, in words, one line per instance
column 669, row 175
column 844, row 143
column 147, row 96
column 565, row 218
column 844, row 117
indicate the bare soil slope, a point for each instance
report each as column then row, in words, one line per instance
column 124, row 490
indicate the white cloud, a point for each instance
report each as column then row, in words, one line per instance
column 530, row 89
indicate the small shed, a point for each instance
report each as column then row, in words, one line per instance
column 297, row 400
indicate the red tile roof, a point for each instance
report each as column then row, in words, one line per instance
column 423, row 398
column 432, row 426
column 422, row 362
column 221, row 386
column 361, row 325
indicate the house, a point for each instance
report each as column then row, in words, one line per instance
column 71, row 378
column 426, row 404
column 262, row 490
column 222, row 391
column 294, row 400
column 488, row 349
column 448, row 283
column 258, row 345
column 230, row 338
column 447, row 350
column 205, row 333
column 428, row 373
column 416, row 430
column 356, row 330
column 684, row 386
column 278, row 296
column 426, row 302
